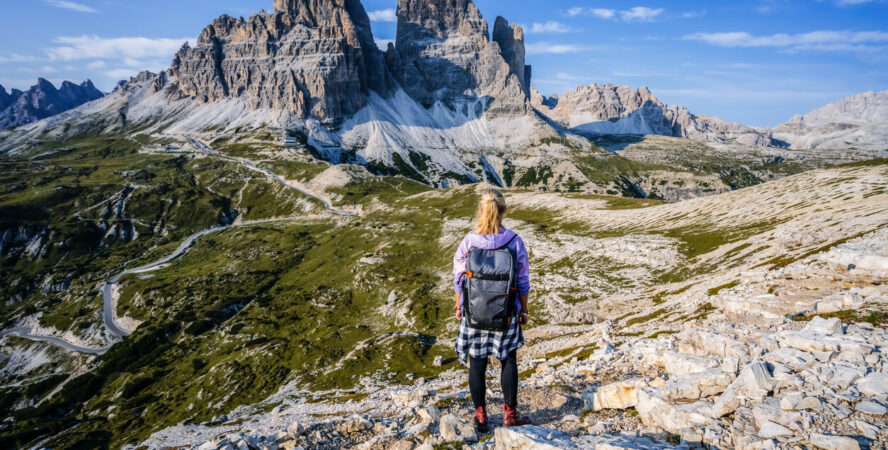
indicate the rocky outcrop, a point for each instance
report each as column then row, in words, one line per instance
column 617, row 109
column 511, row 41
column 859, row 121
column 317, row 59
column 7, row 98
column 43, row 100
column 314, row 58
column 867, row 107
column 443, row 53
column 595, row 103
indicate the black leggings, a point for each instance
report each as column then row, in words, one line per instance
column 509, row 379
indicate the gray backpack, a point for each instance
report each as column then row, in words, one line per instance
column 490, row 287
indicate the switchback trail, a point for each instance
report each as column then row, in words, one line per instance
column 201, row 146
column 24, row 333
column 108, row 312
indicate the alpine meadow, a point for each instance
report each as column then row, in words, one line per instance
column 253, row 247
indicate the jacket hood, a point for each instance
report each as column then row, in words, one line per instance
column 490, row 241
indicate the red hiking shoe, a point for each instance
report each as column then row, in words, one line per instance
column 481, row 420
column 511, row 418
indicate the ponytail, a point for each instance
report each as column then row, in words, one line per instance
column 491, row 210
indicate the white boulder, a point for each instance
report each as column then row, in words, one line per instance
column 453, row 428
column 681, row 364
column 873, row 408
column 771, row 430
column 874, row 384
column 830, row 442
column 619, row 395
column 531, row 437
column 655, row 411
column 429, row 414
column 696, row 385
column 830, row 327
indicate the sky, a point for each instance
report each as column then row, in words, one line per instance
column 756, row 62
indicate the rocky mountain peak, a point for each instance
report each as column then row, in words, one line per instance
column 618, row 109
column 314, row 58
column 43, row 100
column 868, row 107
column 511, row 41
column 441, row 19
column 598, row 102
column 7, row 98
column 443, row 53
column 44, row 85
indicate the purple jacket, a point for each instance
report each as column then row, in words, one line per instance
column 488, row 242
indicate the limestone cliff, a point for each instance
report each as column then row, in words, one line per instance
column 443, row 53
column 43, row 100
column 617, row 109
column 311, row 57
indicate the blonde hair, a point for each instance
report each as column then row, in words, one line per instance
column 491, row 210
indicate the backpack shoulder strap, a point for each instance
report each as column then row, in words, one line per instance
column 507, row 243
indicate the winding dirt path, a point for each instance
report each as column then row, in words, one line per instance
column 108, row 313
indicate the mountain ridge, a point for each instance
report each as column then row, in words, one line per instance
column 43, row 100
column 445, row 104
column 620, row 109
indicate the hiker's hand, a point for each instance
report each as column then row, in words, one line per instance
column 522, row 319
column 458, row 313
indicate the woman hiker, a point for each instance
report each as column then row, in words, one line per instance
column 491, row 330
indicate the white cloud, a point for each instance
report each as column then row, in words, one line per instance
column 640, row 14
column 635, row 14
column 538, row 48
column 603, row 13
column 47, row 69
column 383, row 43
column 121, row 74
column 548, row 27
column 99, row 64
column 15, row 57
column 383, row 15
column 693, row 14
column 95, row 47
column 814, row 40
column 72, row 6
column 852, row 2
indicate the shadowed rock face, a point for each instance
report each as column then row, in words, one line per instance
column 7, row 98
column 443, row 53
column 312, row 57
column 511, row 42
column 317, row 58
column 43, row 100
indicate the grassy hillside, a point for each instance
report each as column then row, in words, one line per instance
column 329, row 304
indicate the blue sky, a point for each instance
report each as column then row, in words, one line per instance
column 755, row 62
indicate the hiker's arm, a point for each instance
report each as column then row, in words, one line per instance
column 522, row 319
column 523, row 272
column 458, row 308
column 459, row 267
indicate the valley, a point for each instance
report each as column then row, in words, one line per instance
column 253, row 248
column 220, row 311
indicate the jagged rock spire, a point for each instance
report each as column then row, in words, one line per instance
column 443, row 53
column 511, row 42
column 316, row 58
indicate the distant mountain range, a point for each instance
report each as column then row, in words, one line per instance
column 859, row 122
column 854, row 122
column 43, row 100
column 448, row 102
